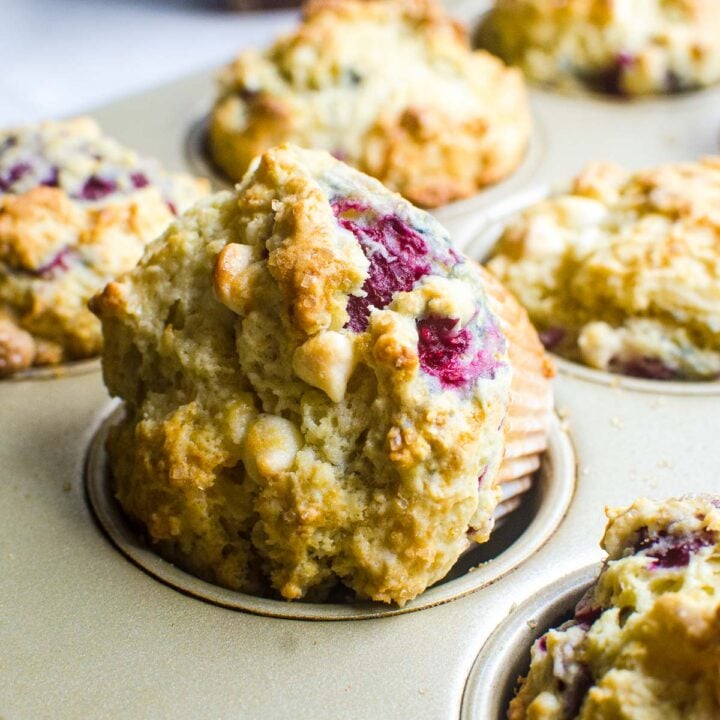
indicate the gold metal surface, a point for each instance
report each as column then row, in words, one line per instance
column 53, row 372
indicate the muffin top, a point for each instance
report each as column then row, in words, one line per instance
column 645, row 640
column 657, row 46
column 388, row 86
column 623, row 273
column 76, row 208
column 313, row 384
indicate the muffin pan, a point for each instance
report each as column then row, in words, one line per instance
column 88, row 633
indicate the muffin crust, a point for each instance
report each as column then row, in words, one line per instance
column 623, row 273
column 313, row 383
column 76, row 209
column 616, row 46
column 388, row 86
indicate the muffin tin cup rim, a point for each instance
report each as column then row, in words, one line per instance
column 485, row 694
column 558, row 492
column 60, row 371
column 654, row 102
column 692, row 388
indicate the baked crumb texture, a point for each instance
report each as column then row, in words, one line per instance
column 314, row 384
column 388, row 86
column 644, row 643
column 76, row 209
column 615, row 46
column 623, row 273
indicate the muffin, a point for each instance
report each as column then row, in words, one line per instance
column 657, row 46
column 388, row 86
column 644, row 641
column 76, row 209
column 623, row 273
column 315, row 385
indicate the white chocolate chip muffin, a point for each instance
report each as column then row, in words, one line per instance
column 632, row 47
column 388, row 86
column 644, row 642
column 76, row 209
column 623, row 273
column 315, row 387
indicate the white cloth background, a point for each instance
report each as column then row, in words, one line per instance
column 59, row 57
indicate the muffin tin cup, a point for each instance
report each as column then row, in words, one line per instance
column 505, row 657
column 523, row 533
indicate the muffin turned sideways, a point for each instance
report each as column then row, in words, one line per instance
column 623, row 272
column 315, row 386
column 388, row 86
column 76, row 209
column 644, row 641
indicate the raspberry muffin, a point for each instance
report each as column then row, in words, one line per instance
column 76, row 209
column 644, row 642
column 315, row 388
column 623, row 273
column 388, row 86
column 657, row 46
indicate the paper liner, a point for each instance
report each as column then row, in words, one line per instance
column 527, row 422
column 512, row 495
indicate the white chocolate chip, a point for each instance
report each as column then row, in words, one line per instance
column 580, row 212
column 452, row 298
column 271, row 445
column 598, row 344
column 230, row 266
column 326, row 361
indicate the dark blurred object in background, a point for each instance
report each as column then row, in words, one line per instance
column 260, row 4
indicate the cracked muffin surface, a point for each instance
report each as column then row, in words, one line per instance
column 388, row 86
column 76, row 209
column 314, row 384
column 620, row 46
column 644, row 642
column 623, row 272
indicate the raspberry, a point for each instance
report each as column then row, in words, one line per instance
column 649, row 368
column 96, row 188
column 139, row 180
column 398, row 255
column 455, row 356
column 671, row 551
column 59, row 263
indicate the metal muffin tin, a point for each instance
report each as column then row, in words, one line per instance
column 506, row 655
column 86, row 632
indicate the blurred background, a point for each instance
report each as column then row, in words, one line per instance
column 60, row 57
